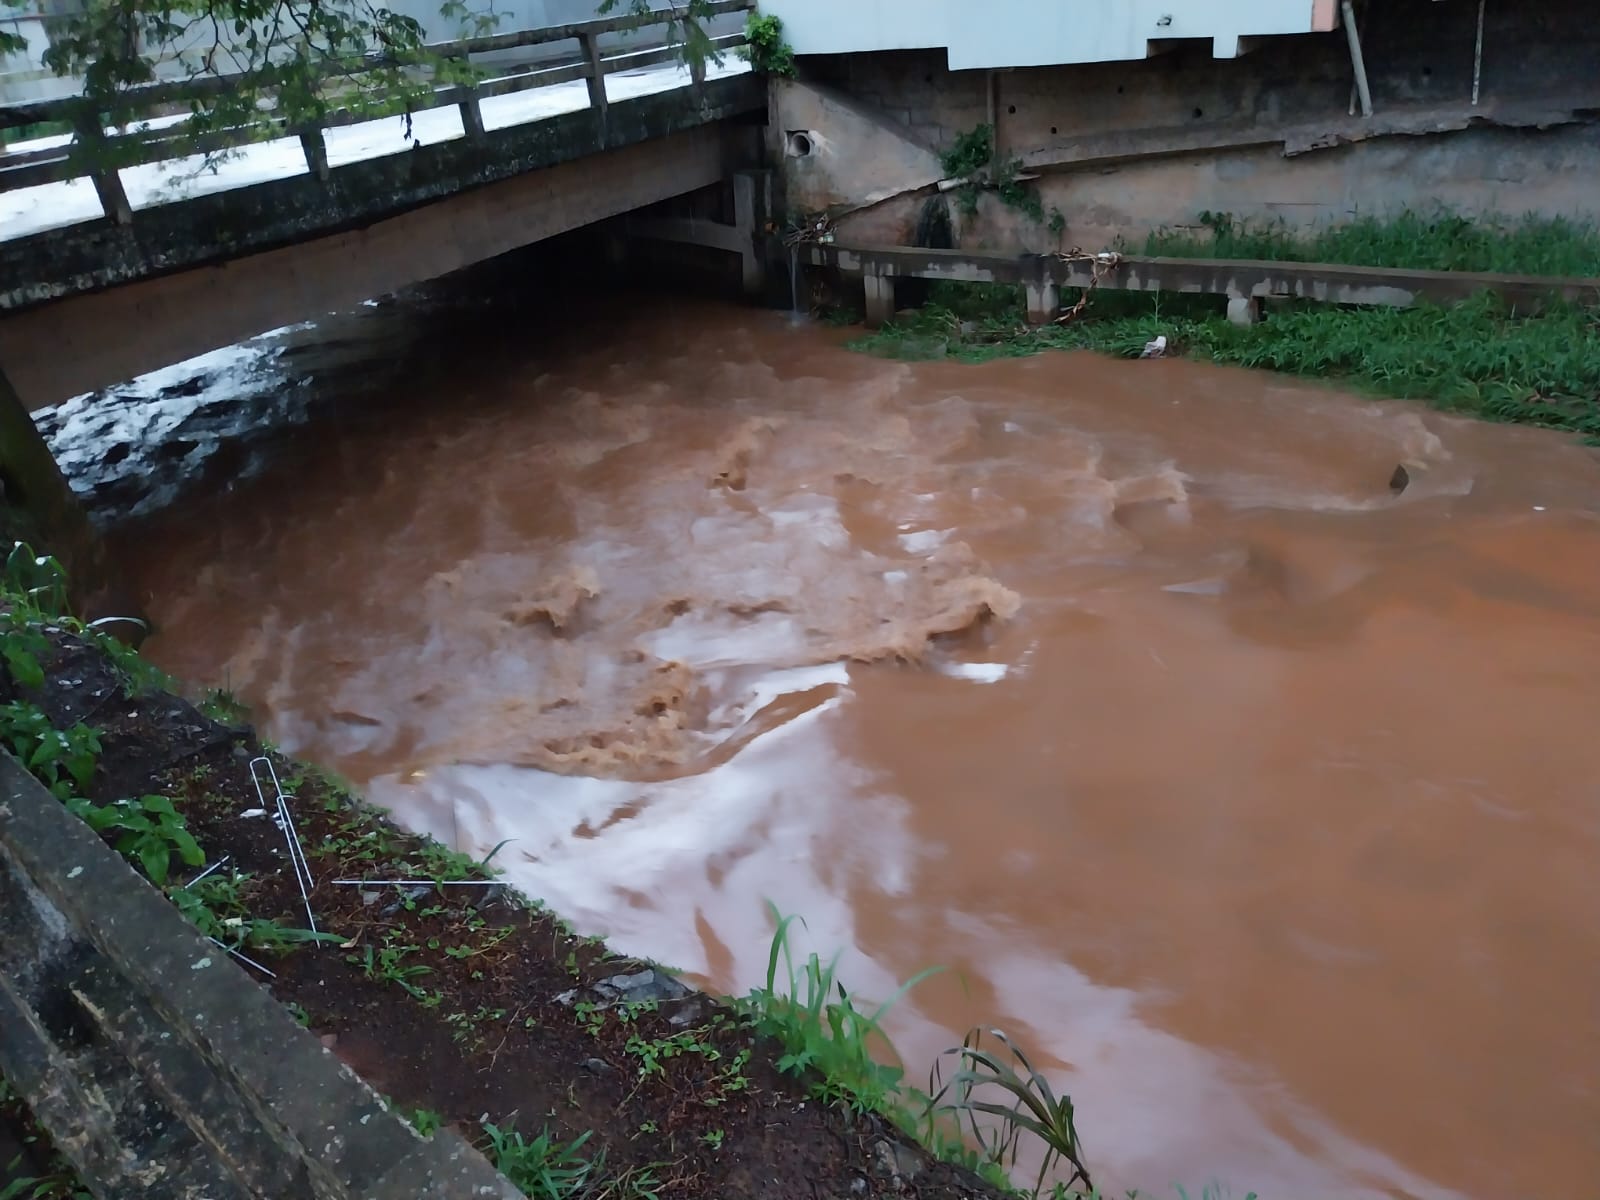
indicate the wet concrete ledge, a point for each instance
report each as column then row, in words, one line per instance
column 213, row 228
column 160, row 1069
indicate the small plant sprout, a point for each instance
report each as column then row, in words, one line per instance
column 1026, row 1104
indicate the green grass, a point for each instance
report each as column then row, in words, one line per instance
column 546, row 1168
column 543, row 1167
column 1437, row 241
column 824, row 1036
column 1477, row 358
column 840, row 1048
column 986, row 1084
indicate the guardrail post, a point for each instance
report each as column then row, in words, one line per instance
column 316, row 151
column 597, row 80
column 107, row 183
column 472, row 119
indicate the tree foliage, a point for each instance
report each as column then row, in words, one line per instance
column 685, row 25
column 236, row 62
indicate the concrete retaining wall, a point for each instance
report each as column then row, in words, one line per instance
column 1121, row 148
column 158, row 1067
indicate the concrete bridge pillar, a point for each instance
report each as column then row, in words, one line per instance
column 1044, row 301
column 1244, row 310
column 752, row 202
column 880, row 298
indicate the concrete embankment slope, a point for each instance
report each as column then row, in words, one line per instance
column 162, row 1070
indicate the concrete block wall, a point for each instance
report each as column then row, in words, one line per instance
column 1122, row 147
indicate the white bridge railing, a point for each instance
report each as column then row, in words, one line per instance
column 158, row 133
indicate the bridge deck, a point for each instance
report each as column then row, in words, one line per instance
column 69, row 202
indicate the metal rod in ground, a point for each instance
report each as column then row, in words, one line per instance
column 285, row 822
column 1357, row 63
column 244, row 958
column 216, row 866
column 418, row 882
column 1477, row 55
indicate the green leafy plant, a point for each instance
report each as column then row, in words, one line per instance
column 767, row 51
column 1029, row 1105
column 151, row 830
column 221, row 704
column 138, row 674
column 61, row 759
column 39, row 581
column 58, row 1180
column 33, row 590
column 822, row 1032
column 970, row 154
column 972, row 158
column 60, row 1184
column 387, row 963
column 425, row 1121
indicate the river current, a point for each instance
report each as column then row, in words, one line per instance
column 1259, row 800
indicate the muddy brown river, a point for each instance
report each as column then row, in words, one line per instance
column 1261, row 802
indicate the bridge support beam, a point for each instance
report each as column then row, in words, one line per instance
column 1244, row 310
column 746, row 237
column 752, row 202
column 39, row 507
column 1044, row 301
column 880, row 299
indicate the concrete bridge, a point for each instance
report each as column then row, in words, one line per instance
column 110, row 273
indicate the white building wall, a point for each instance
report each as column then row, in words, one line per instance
column 1032, row 33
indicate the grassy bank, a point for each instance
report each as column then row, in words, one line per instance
column 1476, row 358
column 580, row 1073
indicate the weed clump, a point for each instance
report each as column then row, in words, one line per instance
column 1479, row 358
column 766, row 50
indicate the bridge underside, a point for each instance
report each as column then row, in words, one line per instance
column 381, row 227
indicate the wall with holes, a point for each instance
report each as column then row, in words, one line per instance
column 1119, row 148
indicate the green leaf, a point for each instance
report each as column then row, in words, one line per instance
column 25, row 668
column 188, row 849
column 155, row 859
column 157, row 804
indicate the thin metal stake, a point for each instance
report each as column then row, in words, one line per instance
column 1477, row 55
column 285, row 822
column 244, row 958
column 213, row 867
column 1357, row 63
column 418, row 882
